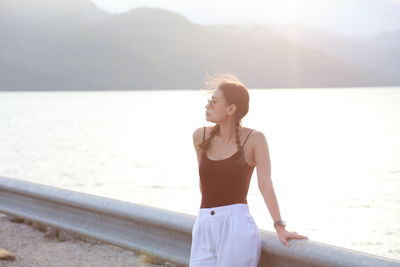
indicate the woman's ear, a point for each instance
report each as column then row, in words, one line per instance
column 232, row 109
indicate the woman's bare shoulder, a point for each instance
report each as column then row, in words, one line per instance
column 252, row 130
column 198, row 133
column 259, row 137
column 255, row 136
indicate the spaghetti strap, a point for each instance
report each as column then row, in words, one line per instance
column 247, row 137
column 204, row 133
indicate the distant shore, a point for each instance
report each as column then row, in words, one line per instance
column 193, row 89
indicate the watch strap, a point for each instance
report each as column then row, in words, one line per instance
column 279, row 222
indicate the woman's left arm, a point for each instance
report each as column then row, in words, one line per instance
column 263, row 163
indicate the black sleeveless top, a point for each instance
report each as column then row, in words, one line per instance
column 224, row 182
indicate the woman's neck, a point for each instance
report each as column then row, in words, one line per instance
column 227, row 132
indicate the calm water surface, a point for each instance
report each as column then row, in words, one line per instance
column 335, row 154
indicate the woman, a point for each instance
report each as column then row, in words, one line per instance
column 225, row 233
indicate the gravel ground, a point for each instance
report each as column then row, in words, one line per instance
column 33, row 247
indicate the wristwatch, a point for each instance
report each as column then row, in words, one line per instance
column 279, row 222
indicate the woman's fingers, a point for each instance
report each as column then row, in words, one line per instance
column 290, row 235
column 297, row 236
column 284, row 240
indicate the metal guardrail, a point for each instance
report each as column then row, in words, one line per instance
column 160, row 233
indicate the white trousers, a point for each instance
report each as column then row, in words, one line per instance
column 225, row 236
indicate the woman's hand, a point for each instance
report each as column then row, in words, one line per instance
column 284, row 236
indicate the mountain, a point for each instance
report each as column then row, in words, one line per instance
column 73, row 45
column 380, row 53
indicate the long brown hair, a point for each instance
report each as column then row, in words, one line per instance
column 235, row 93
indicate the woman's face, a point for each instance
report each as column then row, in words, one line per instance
column 217, row 109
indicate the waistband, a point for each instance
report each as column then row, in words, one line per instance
column 224, row 210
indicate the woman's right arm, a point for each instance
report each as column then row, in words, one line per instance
column 197, row 139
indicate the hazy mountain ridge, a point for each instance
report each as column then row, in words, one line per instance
column 380, row 53
column 151, row 48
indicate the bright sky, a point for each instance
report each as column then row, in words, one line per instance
column 367, row 17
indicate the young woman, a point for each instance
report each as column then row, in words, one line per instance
column 225, row 233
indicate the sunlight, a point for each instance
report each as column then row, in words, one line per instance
column 395, row 2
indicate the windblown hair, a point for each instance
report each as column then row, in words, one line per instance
column 235, row 93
